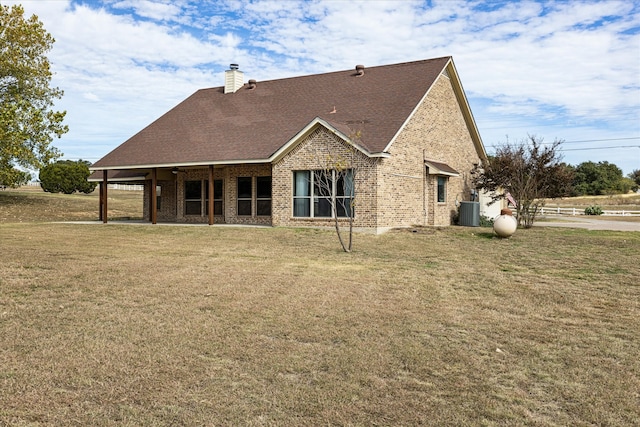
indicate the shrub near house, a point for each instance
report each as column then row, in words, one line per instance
column 66, row 177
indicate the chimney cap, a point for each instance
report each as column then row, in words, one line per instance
column 234, row 66
column 359, row 70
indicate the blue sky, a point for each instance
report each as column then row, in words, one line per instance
column 567, row 69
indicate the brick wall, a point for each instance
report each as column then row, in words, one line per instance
column 312, row 154
column 167, row 193
column 437, row 131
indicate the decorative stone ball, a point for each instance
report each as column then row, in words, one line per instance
column 505, row 225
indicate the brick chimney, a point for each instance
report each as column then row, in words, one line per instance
column 233, row 79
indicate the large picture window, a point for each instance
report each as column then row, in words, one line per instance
column 314, row 192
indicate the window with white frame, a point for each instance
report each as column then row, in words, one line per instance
column 314, row 193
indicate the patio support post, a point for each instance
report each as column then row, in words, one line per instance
column 210, row 193
column 100, row 201
column 103, row 197
column 154, row 200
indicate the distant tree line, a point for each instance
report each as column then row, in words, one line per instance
column 602, row 178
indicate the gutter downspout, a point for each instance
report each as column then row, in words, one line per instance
column 424, row 187
column 154, row 197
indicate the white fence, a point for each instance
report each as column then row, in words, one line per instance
column 126, row 187
column 580, row 211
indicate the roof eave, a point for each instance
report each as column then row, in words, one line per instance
column 181, row 164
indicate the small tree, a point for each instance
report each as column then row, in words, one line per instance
column 335, row 181
column 66, row 177
column 527, row 170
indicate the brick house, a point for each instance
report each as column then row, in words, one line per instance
column 251, row 153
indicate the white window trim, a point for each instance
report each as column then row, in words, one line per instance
column 445, row 188
column 312, row 197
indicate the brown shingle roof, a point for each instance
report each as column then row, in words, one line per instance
column 252, row 124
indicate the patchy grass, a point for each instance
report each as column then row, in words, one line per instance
column 153, row 325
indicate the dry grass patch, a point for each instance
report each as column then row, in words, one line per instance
column 31, row 204
column 629, row 201
column 143, row 325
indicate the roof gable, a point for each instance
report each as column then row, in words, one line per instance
column 258, row 121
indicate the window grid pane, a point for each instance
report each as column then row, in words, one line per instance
column 263, row 207
column 244, row 187
column 343, row 207
column 192, row 190
column 302, row 194
column 193, row 197
column 244, row 207
column 263, row 187
column 322, row 207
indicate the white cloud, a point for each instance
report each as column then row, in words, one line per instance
column 90, row 96
column 524, row 65
column 164, row 11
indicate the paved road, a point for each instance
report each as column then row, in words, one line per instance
column 588, row 223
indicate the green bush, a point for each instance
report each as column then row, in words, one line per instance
column 66, row 177
column 486, row 221
column 593, row 210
